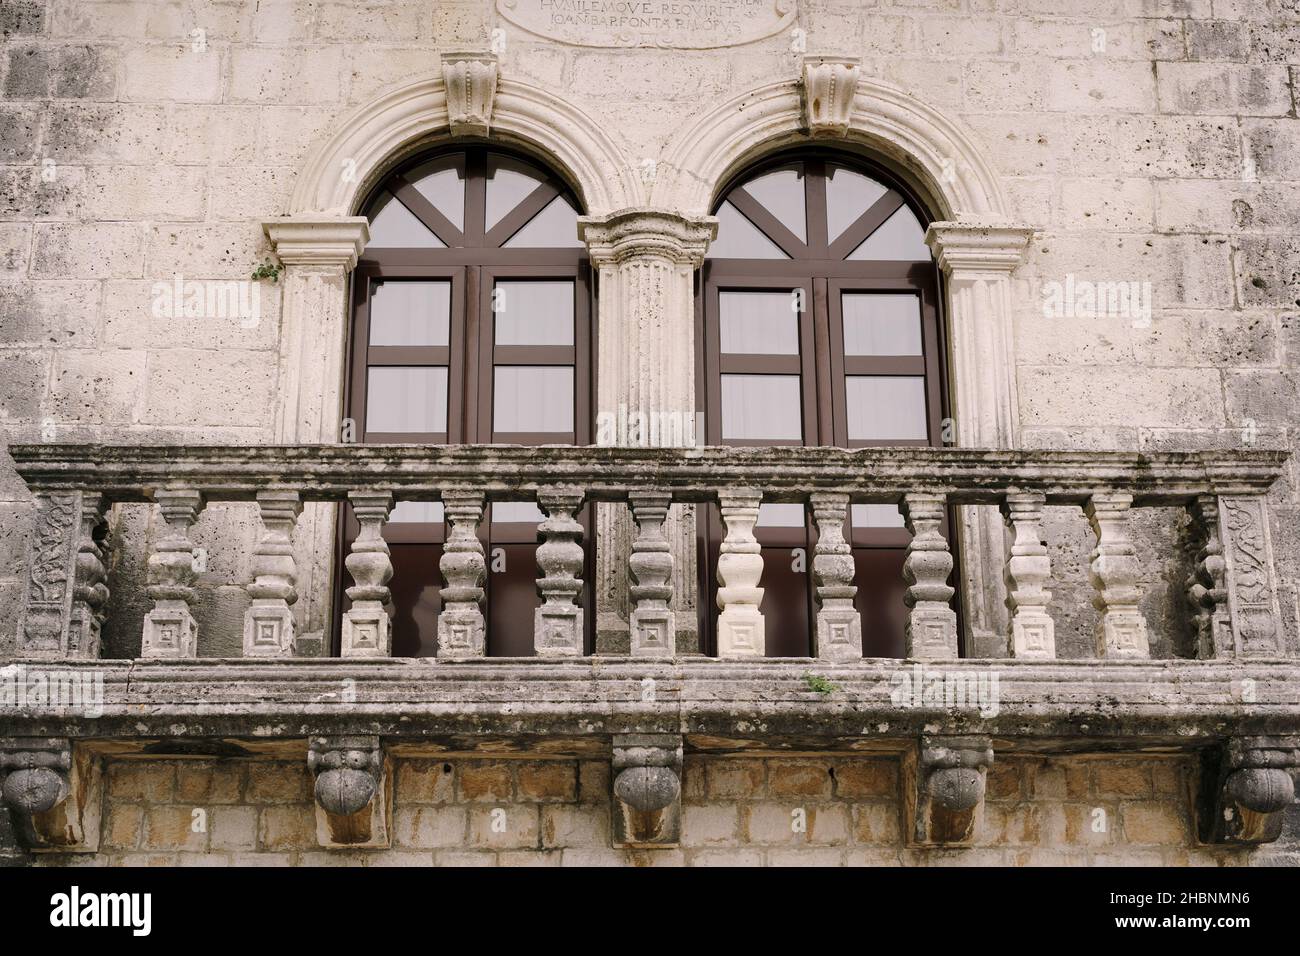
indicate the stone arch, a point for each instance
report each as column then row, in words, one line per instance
column 380, row 133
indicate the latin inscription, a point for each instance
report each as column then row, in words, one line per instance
column 682, row 24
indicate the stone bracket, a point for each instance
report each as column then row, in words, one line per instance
column 54, row 793
column 829, row 85
column 471, row 84
column 647, row 785
column 354, row 791
column 943, row 789
column 1246, row 787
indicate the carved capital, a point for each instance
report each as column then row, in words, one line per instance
column 647, row 789
column 944, row 789
column 639, row 233
column 318, row 240
column 978, row 250
column 353, row 791
column 829, row 85
column 471, row 83
column 1246, row 787
column 53, row 792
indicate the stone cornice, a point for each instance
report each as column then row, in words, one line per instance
column 962, row 247
column 633, row 233
column 318, row 240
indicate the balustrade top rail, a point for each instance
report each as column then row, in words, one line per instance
column 329, row 472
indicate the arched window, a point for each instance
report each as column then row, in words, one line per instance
column 471, row 323
column 820, row 327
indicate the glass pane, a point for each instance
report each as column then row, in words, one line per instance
column 761, row 407
column 899, row 239
column 516, row 512
column 881, row 324
column 532, row 398
column 404, row 399
column 781, row 516
column 410, row 313
column 738, row 238
column 848, row 196
column 758, row 323
column 555, row 227
column 534, row 313
column 393, row 226
column 413, row 512
column 442, row 182
column 886, row 407
column 781, row 194
column 508, row 182
column 876, row 516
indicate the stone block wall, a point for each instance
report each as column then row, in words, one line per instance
column 745, row 811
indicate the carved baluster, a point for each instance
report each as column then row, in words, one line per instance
column 268, row 622
column 654, row 626
column 740, row 568
column 558, row 623
column 170, row 629
column 931, row 623
column 1207, row 588
column 461, row 631
column 1122, row 631
column 1033, row 633
column 839, row 626
column 366, row 626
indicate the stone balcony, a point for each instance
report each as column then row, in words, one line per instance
column 1237, row 703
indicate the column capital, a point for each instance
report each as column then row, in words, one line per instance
column 631, row 233
column 318, row 240
column 980, row 248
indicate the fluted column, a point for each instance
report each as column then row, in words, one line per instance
column 740, row 568
column 1122, row 630
column 978, row 262
column 367, row 628
column 654, row 633
column 461, row 629
column 839, row 626
column 170, row 629
column 1033, row 633
column 317, row 252
column 558, row 623
column 645, row 376
column 931, row 622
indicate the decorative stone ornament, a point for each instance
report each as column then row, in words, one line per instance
column 558, row 623
column 1033, row 633
column 1251, row 575
column 170, row 629
column 471, row 81
column 647, row 789
column 943, row 781
column 1122, row 630
column 66, row 597
column 1207, row 588
column 1246, row 788
column 838, row 633
column 654, row 626
column 366, row 625
column 462, row 631
column 829, row 85
column 53, row 792
column 740, row 567
column 268, row 622
column 931, row 623
column 354, row 795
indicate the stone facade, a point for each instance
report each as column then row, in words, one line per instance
column 1146, row 145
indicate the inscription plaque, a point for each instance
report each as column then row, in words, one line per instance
column 680, row 24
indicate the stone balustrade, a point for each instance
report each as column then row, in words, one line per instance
column 1233, row 590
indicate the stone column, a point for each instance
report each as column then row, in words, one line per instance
column 645, row 377
column 558, row 624
column 170, row 629
column 839, row 626
column 268, row 622
column 978, row 262
column 1033, row 633
column 462, row 631
column 654, row 632
column 366, row 626
column 317, row 253
column 740, row 568
column 931, row 622
column 1122, row 631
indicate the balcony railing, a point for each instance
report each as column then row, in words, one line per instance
column 1232, row 590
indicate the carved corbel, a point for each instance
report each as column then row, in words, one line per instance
column 354, row 793
column 647, row 790
column 829, row 84
column 53, row 792
column 471, row 83
column 943, row 782
column 1246, row 787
